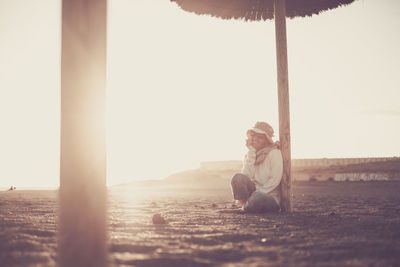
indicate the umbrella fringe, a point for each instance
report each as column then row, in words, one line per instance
column 256, row 10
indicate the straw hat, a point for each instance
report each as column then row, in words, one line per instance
column 263, row 128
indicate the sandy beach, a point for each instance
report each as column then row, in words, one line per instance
column 333, row 224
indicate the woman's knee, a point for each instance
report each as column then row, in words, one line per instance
column 238, row 178
column 239, row 187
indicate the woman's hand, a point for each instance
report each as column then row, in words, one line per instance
column 249, row 140
column 249, row 143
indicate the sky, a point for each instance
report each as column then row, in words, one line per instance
column 182, row 88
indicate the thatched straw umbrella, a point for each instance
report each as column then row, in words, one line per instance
column 256, row 10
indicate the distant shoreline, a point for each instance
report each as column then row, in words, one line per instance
column 322, row 169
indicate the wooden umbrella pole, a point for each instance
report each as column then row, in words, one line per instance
column 82, row 216
column 283, row 101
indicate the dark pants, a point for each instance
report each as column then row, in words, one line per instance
column 244, row 189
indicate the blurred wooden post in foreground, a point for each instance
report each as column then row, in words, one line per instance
column 283, row 101
column 82, row 217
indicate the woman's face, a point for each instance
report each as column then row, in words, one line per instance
column 259, row 141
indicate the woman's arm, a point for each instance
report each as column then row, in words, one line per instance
column 248, row 163
column 274, row 159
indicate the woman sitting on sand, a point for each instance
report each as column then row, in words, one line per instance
column 256, row 187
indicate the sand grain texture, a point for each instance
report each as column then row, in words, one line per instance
column 333, row 224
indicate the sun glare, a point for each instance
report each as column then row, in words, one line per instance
column 182, row 89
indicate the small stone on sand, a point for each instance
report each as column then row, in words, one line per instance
column 158, row 219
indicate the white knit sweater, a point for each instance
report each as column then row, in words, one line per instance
column 266, row 175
